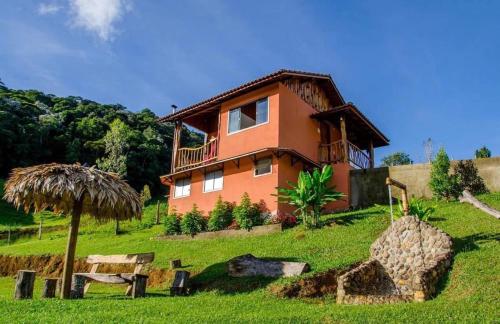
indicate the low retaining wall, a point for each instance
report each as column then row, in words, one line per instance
column 367, row 186
column 256, row 230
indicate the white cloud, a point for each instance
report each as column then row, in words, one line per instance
column 48, row 8
column 99, row 16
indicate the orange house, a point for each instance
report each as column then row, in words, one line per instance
column 261, row 134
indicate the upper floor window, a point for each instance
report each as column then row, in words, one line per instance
column 182, row 187
column 213, row 181
column 263, row 166
column 249, row 115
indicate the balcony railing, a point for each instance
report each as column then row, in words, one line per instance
column 334, row 153
column 188, row 157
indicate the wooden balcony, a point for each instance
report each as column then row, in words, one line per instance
column 344, row 151
column 187, row 157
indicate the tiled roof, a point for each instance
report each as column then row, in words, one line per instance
column 275, row 76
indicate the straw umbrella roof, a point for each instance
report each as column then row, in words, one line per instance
column 59, row 186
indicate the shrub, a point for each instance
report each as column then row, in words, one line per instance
column 283, row 218
column 246, row 213
column 469, row 178
column 311, row 193
column 193, row 222
column 221, row 216
column 483, row 152
column 415, row 208
column 172, row 223
column 145, row 195
column 443, row 185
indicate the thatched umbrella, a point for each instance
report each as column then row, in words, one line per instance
column 72, row 189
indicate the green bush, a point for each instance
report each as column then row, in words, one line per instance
column 469, row 178
column 193, row 222
column 221, row 216
column 443, row 185
column 145, row 195
column 483, row 152
column 172, row 223
column 247, row 214
column 415, row 208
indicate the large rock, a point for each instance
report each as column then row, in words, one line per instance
column 248, row 266
column 406, row 263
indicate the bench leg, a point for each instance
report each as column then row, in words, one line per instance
column 139, row 286
column 77, row 287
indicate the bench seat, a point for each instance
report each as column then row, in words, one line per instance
column 112, row 278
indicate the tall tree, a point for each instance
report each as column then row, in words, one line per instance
column 483, row 152
column 396, row 158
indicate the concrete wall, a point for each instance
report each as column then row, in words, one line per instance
column 368, row 186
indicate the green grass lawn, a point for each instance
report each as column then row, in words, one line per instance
column 469, row 294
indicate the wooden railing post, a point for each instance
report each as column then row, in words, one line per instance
column 371, row 154
column 343, row 133
column 176, row 143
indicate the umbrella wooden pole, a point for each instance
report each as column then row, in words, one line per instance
column 69, row 258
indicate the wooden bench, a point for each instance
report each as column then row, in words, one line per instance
column 139, row 259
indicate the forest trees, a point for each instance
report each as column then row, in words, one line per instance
column 41, row 128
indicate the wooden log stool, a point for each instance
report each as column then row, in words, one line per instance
column 77, row 286
column 50, row 287
column 25, row 282
column 180, row 284
column 175, row 264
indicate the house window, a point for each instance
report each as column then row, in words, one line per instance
column 182, row 187
column 249, row 115
column 213, row 181
column 263, row 166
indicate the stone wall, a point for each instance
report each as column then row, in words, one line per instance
column 368, row 186
column 406, row 263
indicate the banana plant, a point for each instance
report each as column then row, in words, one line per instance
column 310, row 194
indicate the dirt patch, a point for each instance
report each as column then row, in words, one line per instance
column 51, row 266
column 319, row 285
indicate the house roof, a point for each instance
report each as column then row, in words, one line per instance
column 252, row 85
column 361, row 124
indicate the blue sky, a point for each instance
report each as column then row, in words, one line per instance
column 417, row 69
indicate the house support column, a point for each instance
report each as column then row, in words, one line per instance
column 372, row 154
column 176, row 143
column 343, row 133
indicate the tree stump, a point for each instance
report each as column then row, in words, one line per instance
column 180, row 284
column 25, row 283
column 248, row 266
column 77, row 287
column 174, row 264
column 50, row 287
column 139, row 285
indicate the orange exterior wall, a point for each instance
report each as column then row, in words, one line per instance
column 254, row 138
column 236, row 181
column 298, row 130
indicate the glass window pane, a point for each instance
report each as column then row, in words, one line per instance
column 209, row 182
column 262, row 111
column 263, row 166
column 248, row 115
column 217, row 180
column 234, row 120
column 182, row 187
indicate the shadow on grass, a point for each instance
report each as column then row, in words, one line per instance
column 469, row 243
column 216, row 278
column 350, row 218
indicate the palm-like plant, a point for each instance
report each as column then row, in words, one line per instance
column 310, row 194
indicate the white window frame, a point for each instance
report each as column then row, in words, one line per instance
column 239, row 107
column 270, row 158
column 213, row 187
column 182, row 190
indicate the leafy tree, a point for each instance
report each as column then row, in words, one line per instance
column 483, row 152
column 145, row 195
column 193, row 222
column 397, row 158
column 116, row 143
column 221, row 216
column 310, row 194
column 443, row 185
column 246, row 214
column 469, row 178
